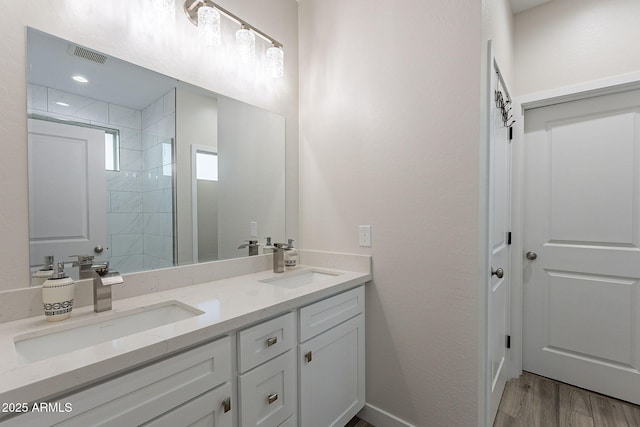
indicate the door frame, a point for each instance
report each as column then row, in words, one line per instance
column 195, row 149
column 607, row 86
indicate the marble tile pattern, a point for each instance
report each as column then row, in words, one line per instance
column 229, row 294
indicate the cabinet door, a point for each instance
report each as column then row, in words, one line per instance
column 268, row 392
column 207, row 410
column 332, row 378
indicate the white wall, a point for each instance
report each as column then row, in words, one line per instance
column 498, row 26
column 389, row 130
column 197, row 124
column 122, row 28
column 565, row 42
column 250, row 176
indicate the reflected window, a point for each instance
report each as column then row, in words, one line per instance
column 111, row 151
column 207, row 166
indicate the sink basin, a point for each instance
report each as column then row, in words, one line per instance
column 302, row 278
column 32, row 347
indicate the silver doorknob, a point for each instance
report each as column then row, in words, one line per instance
column 498, row 272
column 531, row 256
column 98, row 249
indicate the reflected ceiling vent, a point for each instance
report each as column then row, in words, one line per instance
column 87, row 54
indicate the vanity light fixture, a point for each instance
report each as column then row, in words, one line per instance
column 245, row 36
column 246, row 42
column 166, row 10
column 80, row 79
column 209, row 25
column 275, row 61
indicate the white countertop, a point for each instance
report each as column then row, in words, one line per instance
column 228, row 305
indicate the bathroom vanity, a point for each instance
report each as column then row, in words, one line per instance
column 261, row 349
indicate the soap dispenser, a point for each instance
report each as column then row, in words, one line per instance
column 40, row 276
column 57, row 295
column 291, row 255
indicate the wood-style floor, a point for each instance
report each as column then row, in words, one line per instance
column 357, row 422
column 534, row 401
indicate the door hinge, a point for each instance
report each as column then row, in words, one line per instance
column 510, row 133
column 507, row 341
column 508, row 237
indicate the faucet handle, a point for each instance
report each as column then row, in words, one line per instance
column 249, row 243
column 82, row 260
column 101, row 269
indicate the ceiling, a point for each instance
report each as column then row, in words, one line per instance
column 518, row 6
column 50, row 63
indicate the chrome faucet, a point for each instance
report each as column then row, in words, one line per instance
column 278, row 256
column 252, row 245
column 103, row 279
column 84, row 264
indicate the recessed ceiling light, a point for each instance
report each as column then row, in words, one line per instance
column 80, row 79
column 62, row 104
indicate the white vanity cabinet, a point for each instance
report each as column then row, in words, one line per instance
column 302, row 368
column 267, row 373
column 191, row 388
column 331, row 360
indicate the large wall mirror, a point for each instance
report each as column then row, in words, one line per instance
column 140, row 169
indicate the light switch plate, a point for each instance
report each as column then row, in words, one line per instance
column 365, row 236
column 254, row 228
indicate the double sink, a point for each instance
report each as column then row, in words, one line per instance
column 40, row 345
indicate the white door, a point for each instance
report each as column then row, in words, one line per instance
column 582, row 224
column 67, row 195
column 499, row 244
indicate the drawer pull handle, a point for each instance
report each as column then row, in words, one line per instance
column 308, row 357
column 226, row 405
column 271, row 341
column 272, row 398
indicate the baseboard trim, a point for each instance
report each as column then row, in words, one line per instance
column 380, row 418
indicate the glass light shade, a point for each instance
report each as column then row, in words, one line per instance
column 246, row 42
column 209, row 25
column 275, row 62
column 166, row 10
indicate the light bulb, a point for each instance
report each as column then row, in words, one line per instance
column 166, row 11
column 275, row 62
column 209, row 25
column 246, row 42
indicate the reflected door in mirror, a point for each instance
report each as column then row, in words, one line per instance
column 66, row 190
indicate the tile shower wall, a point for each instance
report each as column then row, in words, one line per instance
column 158, row 134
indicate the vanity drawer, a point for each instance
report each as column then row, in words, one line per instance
column 141, row 394
column 265, row 341
column 204, row 410
column 291, row 422
column 324, row 315
column 268, row 392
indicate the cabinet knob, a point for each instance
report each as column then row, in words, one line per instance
column 308, row 357
column 272, row 398
column 271, row 341
column 226, row 405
